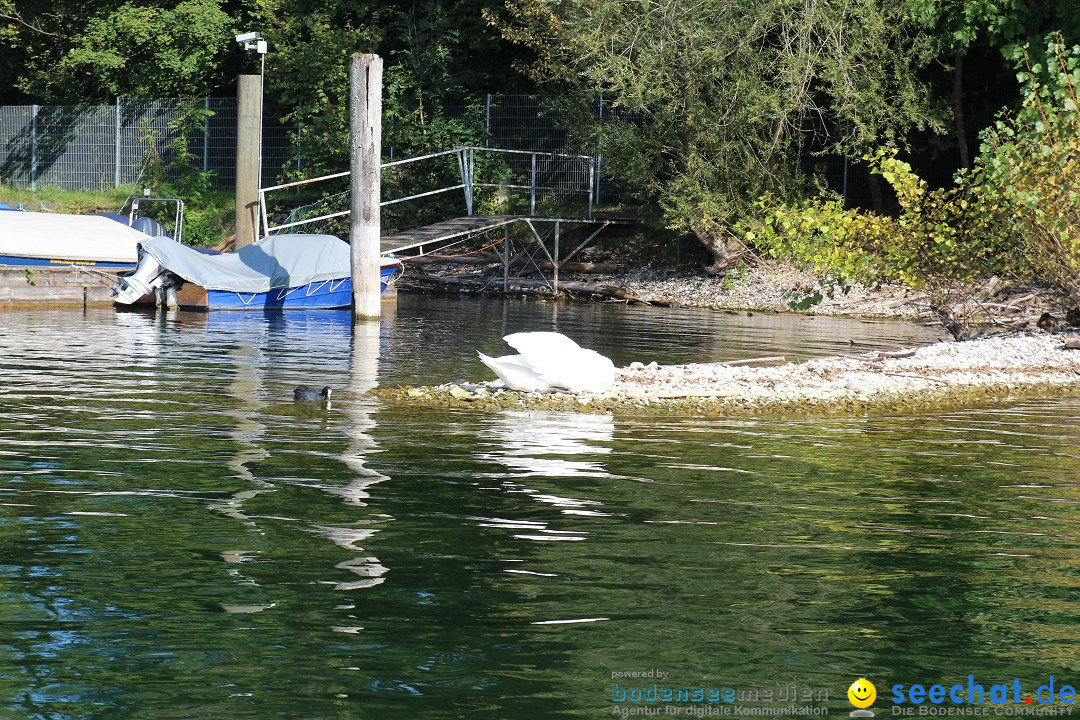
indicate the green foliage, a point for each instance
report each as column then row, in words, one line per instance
column 432, row 49
column 74, row 52
column 209, row 221
column 1006, row 24
column 937, row 234
column 715, row 101
column 1017, row 211
column 69, row 201
column 1026, row 172
column 178, row 169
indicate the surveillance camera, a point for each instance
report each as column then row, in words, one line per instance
column 247, row 37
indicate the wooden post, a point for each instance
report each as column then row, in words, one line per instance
column 248, row 125
column 365, row 139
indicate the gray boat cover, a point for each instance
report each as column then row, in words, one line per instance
column 278, row 261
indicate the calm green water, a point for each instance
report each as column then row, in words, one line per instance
column 179, row 540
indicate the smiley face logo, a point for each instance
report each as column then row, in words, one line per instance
column 862, row 693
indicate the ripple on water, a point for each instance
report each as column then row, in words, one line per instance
column 179, row 538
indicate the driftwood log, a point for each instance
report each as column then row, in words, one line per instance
column 586, row 268
column 529, row 286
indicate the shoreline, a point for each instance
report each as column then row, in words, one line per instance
column 933, row 377
column 766, row 286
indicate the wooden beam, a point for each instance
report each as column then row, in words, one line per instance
column 365, row 135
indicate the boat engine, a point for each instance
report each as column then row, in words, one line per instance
column 148, row 276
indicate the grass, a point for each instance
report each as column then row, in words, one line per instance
column 68, row 201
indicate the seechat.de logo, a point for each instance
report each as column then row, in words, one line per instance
column 862, row 694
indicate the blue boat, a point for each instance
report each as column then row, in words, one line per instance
column 326, row 295
column 280, row 272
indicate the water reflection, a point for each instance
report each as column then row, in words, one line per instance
column 364, row 376
column 552, row 444
column 540, row 448
column 180, row 538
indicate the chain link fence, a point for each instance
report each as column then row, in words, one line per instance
column 109, row 146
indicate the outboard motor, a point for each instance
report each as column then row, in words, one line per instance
column 148, row 276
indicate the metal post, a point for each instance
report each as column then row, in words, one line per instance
column 599, row 158
column 263, row 214
column 506, row 257
column 463, row 171
column 487, row 122
column 206, row 135
column 116, row 152
column 555, row 263
column 472, row 178
column 262, row 103
column 365, row 139
column 588, row 191
column 33, row 150
column 465, row 164
column 532, row 187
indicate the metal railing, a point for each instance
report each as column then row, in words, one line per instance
column 542, row 174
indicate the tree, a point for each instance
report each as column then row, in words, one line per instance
column 719, row 98
column 75, row 52
column 433, row 49
column 958, row 26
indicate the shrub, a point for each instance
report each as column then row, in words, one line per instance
column 1016, row 212
column 1025, row 175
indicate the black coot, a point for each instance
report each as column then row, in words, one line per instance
column 307, row 394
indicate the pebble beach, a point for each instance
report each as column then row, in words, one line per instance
column 1021, row 359
column 938, row 375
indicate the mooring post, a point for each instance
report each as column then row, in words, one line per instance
column 365, row 135
column 248, row 127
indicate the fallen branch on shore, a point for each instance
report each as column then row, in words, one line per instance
column 531, row 287
column 585, row 268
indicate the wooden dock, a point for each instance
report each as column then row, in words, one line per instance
column 65, row 285
column 442, row 232
column 541, row 249
column 79, row 286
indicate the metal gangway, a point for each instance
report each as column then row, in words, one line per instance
column 570, row 179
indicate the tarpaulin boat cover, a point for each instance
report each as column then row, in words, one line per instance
column 55, row 236
column 278, row 261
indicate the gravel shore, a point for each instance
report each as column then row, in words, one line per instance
column 941, row 374
column 766, row 285
column 774, row 287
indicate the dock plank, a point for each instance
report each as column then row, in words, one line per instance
column 443, row 231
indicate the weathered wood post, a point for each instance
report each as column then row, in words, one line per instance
column 249, row 125
column 365, row 135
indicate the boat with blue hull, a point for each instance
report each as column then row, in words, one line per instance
column 279, row 272
column 326, row 295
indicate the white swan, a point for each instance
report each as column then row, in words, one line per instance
column 550, row 360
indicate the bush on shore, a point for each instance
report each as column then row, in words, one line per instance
column 1016, row 212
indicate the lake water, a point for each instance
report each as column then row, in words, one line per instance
column 178, row 539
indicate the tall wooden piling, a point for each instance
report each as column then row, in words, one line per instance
column 365, row 135
column 249, row 125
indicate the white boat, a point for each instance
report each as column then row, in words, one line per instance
column 50, row 239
